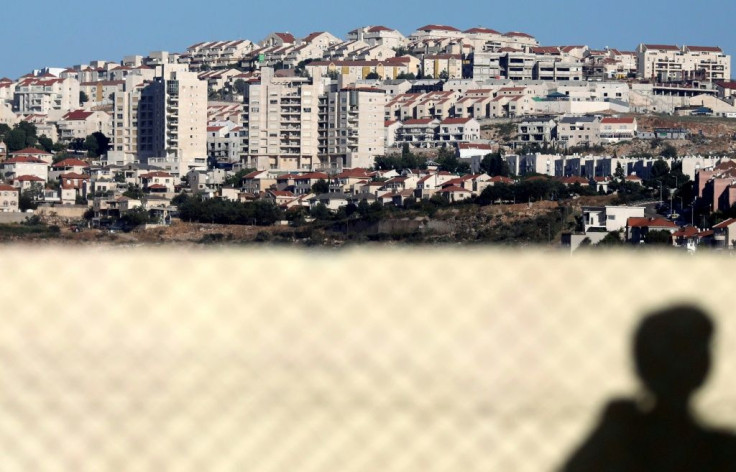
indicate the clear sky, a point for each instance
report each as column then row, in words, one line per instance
column 59, row 34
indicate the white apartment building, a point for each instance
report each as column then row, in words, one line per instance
column 45, row 93
column 578, row 131
column 217, row 53
column 355, row 127
column 614, row 129
column 294, row 123
column 79, row 124
column 669, row 63
column 172, row 117
column 7, row 91
column 224, row 141
column 378, row 36
column 281, row 117
column 125, row 116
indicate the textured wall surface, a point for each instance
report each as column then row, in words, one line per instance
column 275, row 360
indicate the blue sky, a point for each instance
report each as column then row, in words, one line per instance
column 55, row 33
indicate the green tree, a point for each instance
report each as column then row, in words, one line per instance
column 406, row 76
column 134, row 192
column 46, row 143
column 373, row 76
column 28, row 199
column 240, row 86
column 103, row 143
column 320, row 212
column 619, row 173
column 448, row 161
column 4, row 130
column 236, row 180
column 136, row 217
column 613, row 238
column 444, row 75
column 15, row 140
column 91, row 146
column 321, row 186
column 660, row 169
column 658, row 237
column 669, row 151
column 494, row 164
column 83, row 97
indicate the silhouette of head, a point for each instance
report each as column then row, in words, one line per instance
column 672, row 351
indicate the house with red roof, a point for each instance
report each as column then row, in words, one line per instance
column 70, row 165
column 671, row 63
column 158, row 182
column 27, row 182
column 615, row 129
column 43, row 94
column 79, row 124
column 8, row 198
column 34, row 153
column 637, row 228
column 459, row 129
column 724, row 234
column 419, row 132
column 435, row 31
column 455, row 193
column 378, row 36
column 21, row 165
column 303, row 183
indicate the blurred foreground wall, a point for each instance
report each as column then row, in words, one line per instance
column 275, row 360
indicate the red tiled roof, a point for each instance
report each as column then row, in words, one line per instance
column 624, row 120
column 518, row 34
column 731, row 84
column 724, row 224
column 7, row 188
column 376, row 29
column 664, row 47
column 286, row 37
column 29, row 178
column 74, row 176
column 281, row 193
column 475, row 146
column 312, row 175
column 30, row 150
column 23, row 159
column 437, row 28
column 704, row 48
column 686, row 232
column 644, row 222
column 422, row 121
column 453, row 189
column 546, row 50
column 71, row 162
column 481, row 30
column 151, row 175
column 78, row 115
column 455, row 121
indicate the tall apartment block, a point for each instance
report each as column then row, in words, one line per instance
column 175, row 109
column 297, row 123
column 355, row 127
column 162, row 119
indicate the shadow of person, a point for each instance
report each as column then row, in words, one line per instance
column 659, row 431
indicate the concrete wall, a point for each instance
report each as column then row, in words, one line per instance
column 64, row 211
column 15, row 217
